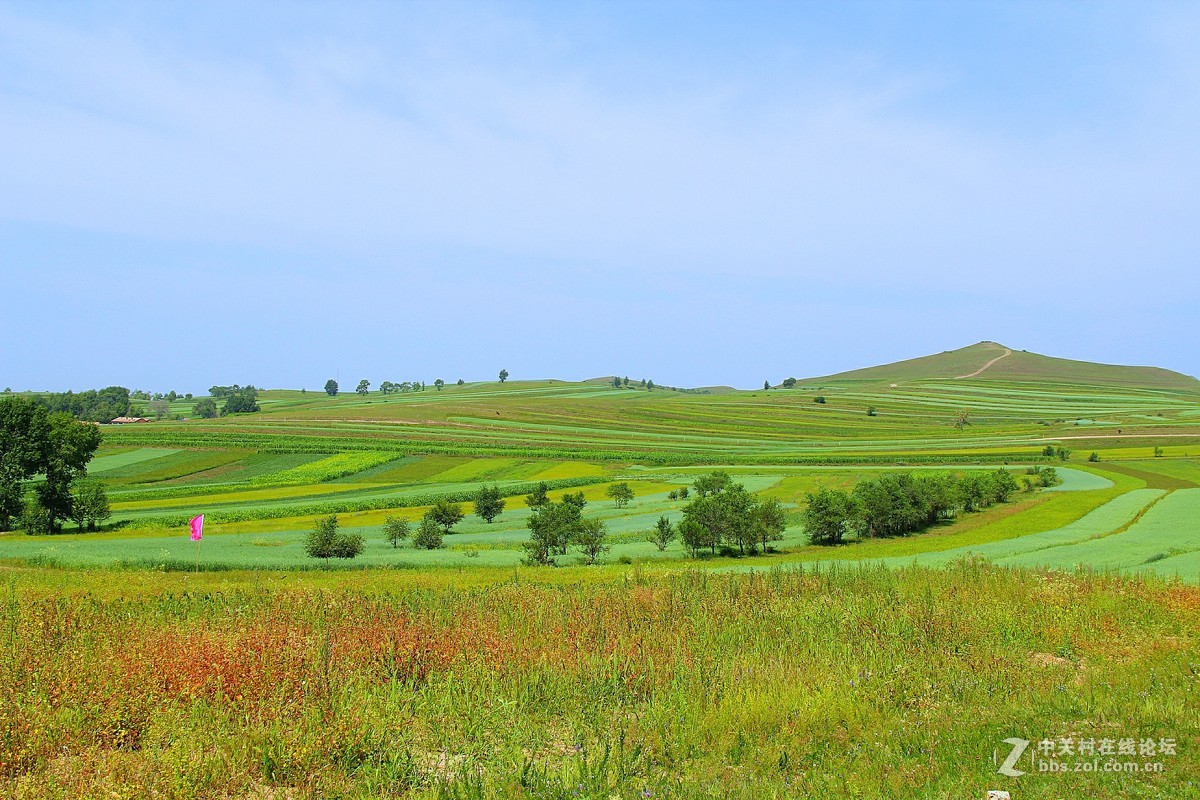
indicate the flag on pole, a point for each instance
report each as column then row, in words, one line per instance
column 197, row 524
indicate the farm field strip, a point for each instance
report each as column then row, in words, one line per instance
column 107, row 463
column 1170, row 528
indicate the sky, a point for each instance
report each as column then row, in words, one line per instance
column 696, row 193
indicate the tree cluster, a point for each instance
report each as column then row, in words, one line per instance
column 724, row 515
column 555, row 527
column 326, row 541
column 625, row 383
column 1059, row 452
column 240, row 400
column 899, row 504
column 389, row 387
column 34, row 441
column 93, row 405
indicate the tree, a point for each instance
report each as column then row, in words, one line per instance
column 616, row 382
column 70, row 445
column 331, row 387
column 663, row 533
column 438, row 384
column 90, row 506
column 429, row 534
column 590, row 536
column 489, row 503
column 1094, row 457
column 364, row 387
column 461, row 382
column 503, row 375
column 695, row 536
column 24, row 433
column 538, row 497
column 318, row 542
column 829, row 516
column 620, row 493
column 552, row 528
column 768, row 521
column 1004, row 485
column 205, row 408
column 766, row 386
column 395, row 530
column 159, row 408
column 445, row 513
column 789, row 383
column 819, row 399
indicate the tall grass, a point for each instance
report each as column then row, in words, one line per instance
column 845, row 683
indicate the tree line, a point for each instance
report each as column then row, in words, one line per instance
column 900, row 504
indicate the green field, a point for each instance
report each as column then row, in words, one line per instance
column 261, row 479
column 139, row 664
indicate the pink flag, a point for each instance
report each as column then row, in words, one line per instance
column 197, row 524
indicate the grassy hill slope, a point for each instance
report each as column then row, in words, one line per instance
column 989, row 361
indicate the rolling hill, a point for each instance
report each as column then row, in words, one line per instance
column 989, row 361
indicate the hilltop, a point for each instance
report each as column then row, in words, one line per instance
column 990, row 361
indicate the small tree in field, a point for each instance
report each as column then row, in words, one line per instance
column 438, row 384
column 503, row 375
column 446, row 514
column 591, row 535
column 395, row 530
column 488, row 503
column 620, row 493
column 663, row 533
column 364, row 387
column 428, row 535
column 769, row 521
column 331, row 387
column 90, row 507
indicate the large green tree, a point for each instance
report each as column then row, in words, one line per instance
column 24, row 432
column 69, row 446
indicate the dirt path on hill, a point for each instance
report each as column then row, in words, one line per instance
column 979, row 371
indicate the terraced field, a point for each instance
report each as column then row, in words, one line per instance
column 261, row 479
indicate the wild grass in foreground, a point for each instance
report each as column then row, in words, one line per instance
column 848, row 683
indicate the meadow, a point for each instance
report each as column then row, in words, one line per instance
column 142, row 664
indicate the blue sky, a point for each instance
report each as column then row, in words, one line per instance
column 273, row 193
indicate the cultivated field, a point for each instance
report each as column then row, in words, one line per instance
column 142, row 665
